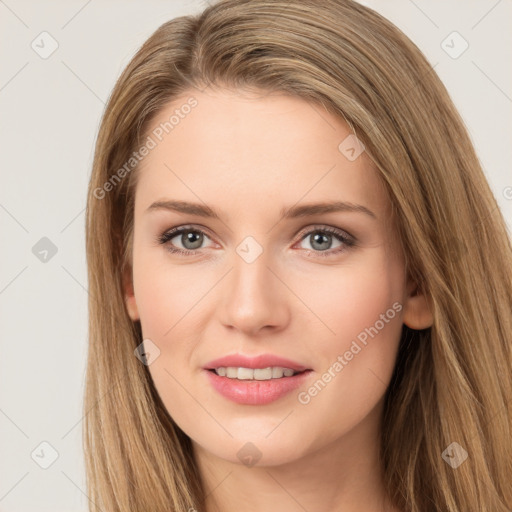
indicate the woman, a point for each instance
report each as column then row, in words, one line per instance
column 300, row 281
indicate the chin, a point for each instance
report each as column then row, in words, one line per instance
column 256, row 446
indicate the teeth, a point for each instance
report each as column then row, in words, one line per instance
column 232, row 373
column 272, row 372
column 262, row 373
column 245, row 374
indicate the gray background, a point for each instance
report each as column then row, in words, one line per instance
column 50, row 113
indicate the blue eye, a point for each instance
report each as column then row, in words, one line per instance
column 318, row 236
column 189, row 235
column 322, row 236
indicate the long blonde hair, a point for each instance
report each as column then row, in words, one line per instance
column 452, row 382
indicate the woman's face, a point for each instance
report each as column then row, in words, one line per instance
column 269, row 280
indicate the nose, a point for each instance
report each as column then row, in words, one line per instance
column 255, row 297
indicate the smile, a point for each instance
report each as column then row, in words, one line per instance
column 241, row 373
column 254, row 386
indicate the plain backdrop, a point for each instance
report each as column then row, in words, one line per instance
column 50, row 113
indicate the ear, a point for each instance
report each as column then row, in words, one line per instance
column 416, row 313
column 129, row 295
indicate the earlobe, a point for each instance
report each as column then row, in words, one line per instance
column 417, row 313
column 131, row 307
column 129, row 295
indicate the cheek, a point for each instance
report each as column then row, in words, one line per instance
column 357, row 359
column 338, row 315
column 164, row 295
column 169, row 304
column 343, row 301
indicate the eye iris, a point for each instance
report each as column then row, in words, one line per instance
column 194, row 237
column 318, row 238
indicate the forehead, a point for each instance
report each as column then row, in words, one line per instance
column 253, row 148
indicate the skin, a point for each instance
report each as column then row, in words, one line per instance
column 247, row 156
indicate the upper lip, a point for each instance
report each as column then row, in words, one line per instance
column 260, row 361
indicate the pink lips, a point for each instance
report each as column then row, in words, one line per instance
column 255, row 392
column 261, row 361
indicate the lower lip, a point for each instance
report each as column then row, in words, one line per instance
column 256, row 392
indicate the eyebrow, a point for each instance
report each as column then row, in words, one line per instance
column 304, row 210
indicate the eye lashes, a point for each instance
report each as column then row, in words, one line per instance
column 347, row 240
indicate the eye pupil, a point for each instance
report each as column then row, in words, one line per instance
column 189, row 236
column 321, row 240
column 318, row 238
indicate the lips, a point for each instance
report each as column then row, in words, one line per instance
column 251, row 391
column 261, row 361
